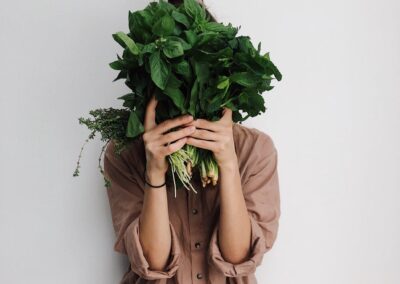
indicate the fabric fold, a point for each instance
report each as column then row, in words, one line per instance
column 139, row 263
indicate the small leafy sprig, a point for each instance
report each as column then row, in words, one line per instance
column 111, row 124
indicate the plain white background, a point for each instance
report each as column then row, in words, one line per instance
column 335, row 120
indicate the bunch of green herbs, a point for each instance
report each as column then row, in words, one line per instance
column 193, row 65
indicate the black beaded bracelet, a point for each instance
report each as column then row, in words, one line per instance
column 146, row 182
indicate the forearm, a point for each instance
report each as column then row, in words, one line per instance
column 155, row 235
column 234, row 232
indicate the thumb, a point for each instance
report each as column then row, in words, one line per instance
column 150, row 116
column 226, row 114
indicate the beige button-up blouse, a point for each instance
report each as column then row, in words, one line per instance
column 195, row 254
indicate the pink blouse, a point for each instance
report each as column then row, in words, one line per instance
column 195, row 254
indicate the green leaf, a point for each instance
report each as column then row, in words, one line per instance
column 173, row 49
column 231, row 106
column 275, row 70
column 140, row 24
column 191, row 36
column 215, row 103
column 177, row 97
column 164, row 26
column 117, row 65
column 236, row 116
column 126, row 42
column 193, row 98
column 183, row 68
column 149, row 48
column 129, row 100
column 243, row 98
column 121, row 75
column 185, row 45
column 223, row 82
column 181, row 18
column 245, row 79
column 194, row 9
column 172, row 90
column 258, row 102
column 227, row 30
column 206, row 38
column 126, row 97
column 135, row 127
column 159, row 70
column 224, row 54
column 202, row 71
column 245, row 44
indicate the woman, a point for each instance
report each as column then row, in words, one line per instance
column 218, row 235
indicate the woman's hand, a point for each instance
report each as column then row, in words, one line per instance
column 159, row 145
column 216, row 136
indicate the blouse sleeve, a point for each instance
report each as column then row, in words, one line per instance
column 125, row 196
column 261, row 193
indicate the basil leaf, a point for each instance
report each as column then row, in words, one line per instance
column 191, row 36
column 193, row 9
column 159, row 70
column 164, row 26
column 183, row 68
column 172, row 90
column 134, row 127
column 173, row 49
column 245, row 79
column 117, row 65
column 202, row 71
column 194, row 98
column 121, row 75
column 181, row 18
column 223, row 82
column 149, row 48
column 126, row 42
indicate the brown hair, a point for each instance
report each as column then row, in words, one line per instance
column 201, row 2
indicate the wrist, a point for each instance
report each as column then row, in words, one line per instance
column 154, row 177
column 228, row 167
column 229, row 164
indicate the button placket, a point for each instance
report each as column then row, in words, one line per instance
column 196, row 238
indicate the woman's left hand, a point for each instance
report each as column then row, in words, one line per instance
column 216, row 136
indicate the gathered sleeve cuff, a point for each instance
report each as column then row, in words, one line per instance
column 246, row 267
column 139, row 263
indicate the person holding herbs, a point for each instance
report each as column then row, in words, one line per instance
column 219, row 232
column 222, row 231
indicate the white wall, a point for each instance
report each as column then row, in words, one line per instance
column 335, row 119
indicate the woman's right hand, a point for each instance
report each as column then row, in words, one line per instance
column 159, row 145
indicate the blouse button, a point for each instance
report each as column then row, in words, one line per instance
column 194, row 211
column 199, row 276
column 197, row 245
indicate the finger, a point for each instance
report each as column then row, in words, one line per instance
column 227, row 115
column 172, row 123
column 206, row 124
column 173, row 147
column 209, row 145
column 205, row 134
column 150, row 116
column 178, row 134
